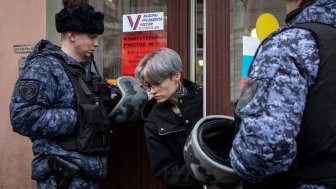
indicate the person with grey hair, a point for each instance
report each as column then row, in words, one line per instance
column 169, row 116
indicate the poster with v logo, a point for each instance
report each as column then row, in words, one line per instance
column 143, row 22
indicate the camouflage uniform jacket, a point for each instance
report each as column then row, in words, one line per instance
column 166, row 134
column 272, row 103
column 43, row 107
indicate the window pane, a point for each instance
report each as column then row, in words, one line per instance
column 244, row 15
column 199, row 43
column 111, row 43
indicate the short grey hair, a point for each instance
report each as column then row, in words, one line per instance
column 158, row 65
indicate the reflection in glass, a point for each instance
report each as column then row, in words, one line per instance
column 199, row 43
column 110, row 45
column 243, row 17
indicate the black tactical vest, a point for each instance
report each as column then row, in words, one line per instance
column 316, row 143
column 93, row 132
column 316, row 158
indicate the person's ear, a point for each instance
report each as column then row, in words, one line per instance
column 177, row 76
column 71, row 36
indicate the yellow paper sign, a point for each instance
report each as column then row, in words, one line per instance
column 266, row 24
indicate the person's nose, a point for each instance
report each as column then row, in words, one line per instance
column 153, row 90
column 96, row 43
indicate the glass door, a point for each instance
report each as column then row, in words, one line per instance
column 133, row 28
column 243, row 37
column 196, row 40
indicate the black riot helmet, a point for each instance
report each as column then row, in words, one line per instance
column 133, row 98
column 206, row 151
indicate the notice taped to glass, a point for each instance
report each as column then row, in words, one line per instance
column 136, row 46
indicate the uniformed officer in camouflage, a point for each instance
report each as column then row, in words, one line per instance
column 272, row 104
column 43, row 105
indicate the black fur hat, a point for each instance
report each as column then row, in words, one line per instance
column 79, row 18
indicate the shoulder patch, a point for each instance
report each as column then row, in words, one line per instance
column 29, row 91
column 247, row 94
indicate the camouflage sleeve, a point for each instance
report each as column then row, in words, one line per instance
column 272, row 103
column 36, row 110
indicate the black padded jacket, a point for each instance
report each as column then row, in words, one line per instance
column 166, row 134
